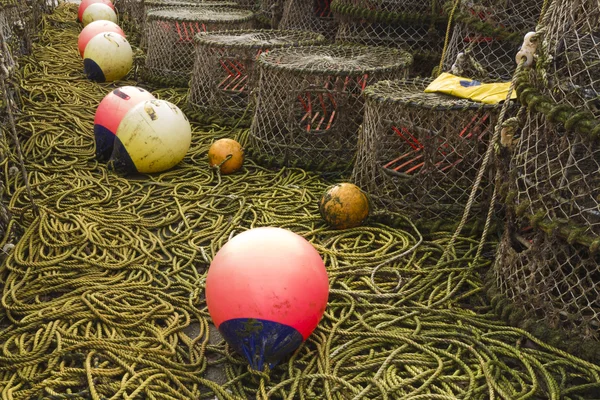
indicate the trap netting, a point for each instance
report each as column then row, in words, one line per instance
column 154, row 5
column 420, row 152
column 170, row 34
column 547, row 270
column 487, row 35
column 269, row 12
column 417, row 26
column 309, row 15
column 225, row 78
column 18, row 22
column 309, row 104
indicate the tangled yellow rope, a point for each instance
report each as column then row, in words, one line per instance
column 103, row 294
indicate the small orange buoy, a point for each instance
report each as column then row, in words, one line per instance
column 344, row 206
column 221, row 150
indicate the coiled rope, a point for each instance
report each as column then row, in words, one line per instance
column 103, row 294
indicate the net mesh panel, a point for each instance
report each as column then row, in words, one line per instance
column 269, row 13
column 416, row 26
column 18, row 22
column 309, row 15
column 487, row 35
column 310, row 102
column 420, row 152
column 548, row 267
column 224, row 76
column 170, row 33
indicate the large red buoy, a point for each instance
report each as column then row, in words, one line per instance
column 266, row 292
column 109, row 114
column 94, row 28
column 85, row 3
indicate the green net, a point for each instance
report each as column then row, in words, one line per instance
column 309, row 15
column 487, row 35
column 415, row 26
column 547, row 268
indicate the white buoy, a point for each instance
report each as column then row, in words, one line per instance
column 108, row 57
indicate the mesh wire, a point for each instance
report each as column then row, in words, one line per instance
column 420, row 152
column 310, row 104
column 269, row 13
column 224, row 76
column 18, row 22
column 309, row 15
column 553, row 183
column 170, row 33
column 570, row 70
column 416, row 26
column 487, row 35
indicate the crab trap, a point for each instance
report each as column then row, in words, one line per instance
column 420, row 152
column 170, row 35
column 225, row 76
column 416, row 26
column 487, row 36
column 153, row 5
column 309, row 15
column 547, row 278
column 309, row 104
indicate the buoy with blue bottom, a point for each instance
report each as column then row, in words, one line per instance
column 266, row 292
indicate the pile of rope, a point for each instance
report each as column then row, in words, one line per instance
column 103, row 295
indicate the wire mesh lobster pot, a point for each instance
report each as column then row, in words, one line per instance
column 224, row 75
column 153, row 5
column 547, row 275
column 309, row 104
column 309, row 15
column 420, row 152
column 171, row 32
column 18, row 23
column 416, row 26
column 487, row 35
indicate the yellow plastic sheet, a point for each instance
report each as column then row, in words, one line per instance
column 489, row 93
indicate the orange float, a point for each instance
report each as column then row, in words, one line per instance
column 220, row 150
column 344, row 206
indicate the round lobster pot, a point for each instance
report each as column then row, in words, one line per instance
column 310, row 103
column 309, row 15
column 225, row 76
column 415, row 26
column 420, row 152
column 171, row 32
column 153, row 5
column 487, row 36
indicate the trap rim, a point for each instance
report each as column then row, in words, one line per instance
column 306, row 59
column 410, row 93
column 237, row 39
column 201, row 14
column 189, row 3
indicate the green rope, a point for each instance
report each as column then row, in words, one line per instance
column 103, row 295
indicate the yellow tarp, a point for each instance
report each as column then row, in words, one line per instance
column 489, row 93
